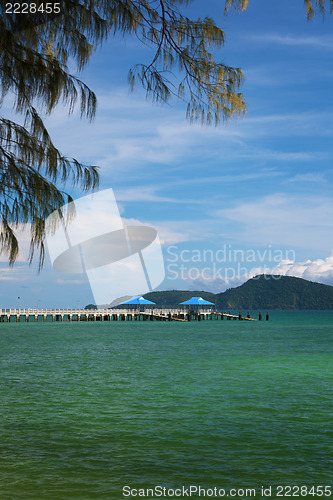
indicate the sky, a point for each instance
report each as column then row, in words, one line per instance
column 228, row 202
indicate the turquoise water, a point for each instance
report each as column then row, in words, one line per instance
column 87, row 408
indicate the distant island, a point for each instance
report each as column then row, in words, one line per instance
column 261, row 292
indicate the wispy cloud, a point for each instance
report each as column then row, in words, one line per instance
column 325, row 42
column 308, row 178
column 283, row 219
column 130, row 139
column 10, row 274
column 129, row 132
column 143, row 193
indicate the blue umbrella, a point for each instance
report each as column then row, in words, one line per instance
column 197, row 301
column 137, row 301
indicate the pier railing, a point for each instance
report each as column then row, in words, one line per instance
column 15, row 311
column 118, row 314
column 39, row 311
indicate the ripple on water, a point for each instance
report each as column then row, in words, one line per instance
column 89, row 408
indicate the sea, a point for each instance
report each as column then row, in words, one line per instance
column 210, row 409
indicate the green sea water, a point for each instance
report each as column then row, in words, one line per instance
column 88, row 408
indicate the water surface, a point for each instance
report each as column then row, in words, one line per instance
column 87, row 408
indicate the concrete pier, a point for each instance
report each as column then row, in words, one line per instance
column 62, row 315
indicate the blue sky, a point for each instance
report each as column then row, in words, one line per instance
column 256, row 191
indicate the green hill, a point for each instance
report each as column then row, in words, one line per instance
column 261, row 292
column 277, row 292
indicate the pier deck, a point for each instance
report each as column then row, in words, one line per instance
column 61, row 315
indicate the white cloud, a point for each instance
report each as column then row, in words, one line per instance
column 309, row 177
column 283, row 219
column 10, row 274
column 167, row 233
column 131, row 138
column 142, row 193
column 319, row 270
column 23, row 236
column 71, row 281
column 129, row 133
column 325, row 42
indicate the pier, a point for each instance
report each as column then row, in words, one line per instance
column 71, row 315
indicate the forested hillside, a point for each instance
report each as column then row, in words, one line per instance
column 261, row 292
